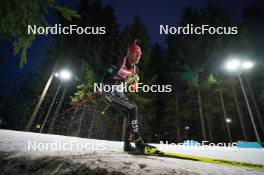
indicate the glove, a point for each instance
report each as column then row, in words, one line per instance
column 134, row 78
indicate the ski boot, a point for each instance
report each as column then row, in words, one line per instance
column 145, row 149
column 127, row 144
column 128, row 147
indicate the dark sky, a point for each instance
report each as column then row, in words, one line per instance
column 156, row 12
column 153, row 13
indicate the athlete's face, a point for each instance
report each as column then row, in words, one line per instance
column 133, row 57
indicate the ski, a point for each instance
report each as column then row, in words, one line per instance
column 203, row 159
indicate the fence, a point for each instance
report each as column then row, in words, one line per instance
column 86, row 120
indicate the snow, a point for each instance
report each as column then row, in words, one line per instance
column 16, row 158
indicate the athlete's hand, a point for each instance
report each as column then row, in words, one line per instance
column 134, row 78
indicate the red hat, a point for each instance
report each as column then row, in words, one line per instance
column 134, row 48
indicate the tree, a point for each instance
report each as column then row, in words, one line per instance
column 18, row 106
column 91, row 55
column 192, row 59
column 17, row 15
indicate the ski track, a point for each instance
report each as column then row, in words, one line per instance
column 14, row 151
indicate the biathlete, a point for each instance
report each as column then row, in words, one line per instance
column 126, row 73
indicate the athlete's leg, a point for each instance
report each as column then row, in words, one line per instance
column 122, row 103
column 127, row 142
column 130, row 107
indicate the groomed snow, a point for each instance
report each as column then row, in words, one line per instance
column 16, row 158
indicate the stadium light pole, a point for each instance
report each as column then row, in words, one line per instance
column 41, row 99
column 63, row 75
column 228, row 121
column 237, row 66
